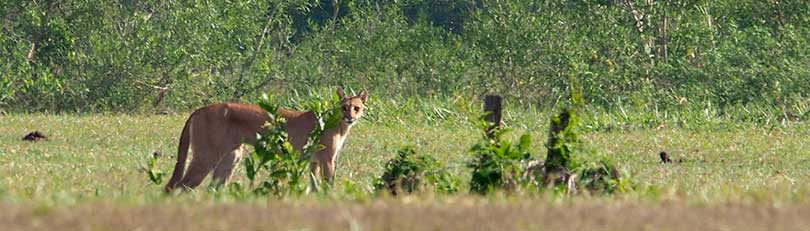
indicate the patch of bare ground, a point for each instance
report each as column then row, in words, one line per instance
column 397, row 215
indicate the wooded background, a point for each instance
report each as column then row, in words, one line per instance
column 130, row 55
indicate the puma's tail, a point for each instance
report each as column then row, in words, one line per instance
column 182, row 154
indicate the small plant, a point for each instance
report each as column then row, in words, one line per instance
column 286, row 175
column 497, row 163
column 155, row 175
column 409, row 172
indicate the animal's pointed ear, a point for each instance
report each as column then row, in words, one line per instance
column 340, row 93
column 363, row 95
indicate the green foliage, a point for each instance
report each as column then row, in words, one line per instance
column 129, row 56
column 286, row 169
column 155, row 174
column 285, row 175
column 602, row 177
column 497, row 164
column 447, row 14
column 562, row 140
column 327, row 114
column 409, row 172
column 562, row 135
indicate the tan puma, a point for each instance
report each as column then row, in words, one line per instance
column 216, row 133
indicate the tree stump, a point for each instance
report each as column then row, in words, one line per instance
column 493, row 107
column 558, row 156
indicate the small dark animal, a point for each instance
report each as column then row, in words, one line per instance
column 156, row 154
column 35, row 136
column 664, row 157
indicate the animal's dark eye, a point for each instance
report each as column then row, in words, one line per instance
column 356, row 108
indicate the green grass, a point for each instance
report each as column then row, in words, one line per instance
column 97, row 157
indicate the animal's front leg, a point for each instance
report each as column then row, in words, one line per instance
column 315, row 174
column 329, row 171
column 315, row 168
column 326, row 161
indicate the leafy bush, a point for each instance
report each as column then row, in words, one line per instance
column 600, row 176
column 285, row 168
column 497, row 164
column 409, row 172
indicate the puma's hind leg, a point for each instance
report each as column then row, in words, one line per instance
column 224, row 169
column 198, row 169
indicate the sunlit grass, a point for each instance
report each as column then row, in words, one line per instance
column 98, row 157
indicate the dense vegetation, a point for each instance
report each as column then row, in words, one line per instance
column 90, row 56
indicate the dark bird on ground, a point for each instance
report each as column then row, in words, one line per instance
column 35, row 136
column 664, row 157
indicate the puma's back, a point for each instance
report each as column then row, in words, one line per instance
column 299, row 125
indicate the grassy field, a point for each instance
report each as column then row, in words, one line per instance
column 87, row 177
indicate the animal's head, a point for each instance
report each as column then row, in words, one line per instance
column 352, row 107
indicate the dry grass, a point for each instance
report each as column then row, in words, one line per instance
column 460, row 214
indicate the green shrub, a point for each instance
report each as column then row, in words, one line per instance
column 286, row 169
column 599, row 176
column 497, row 164
column 409, row 172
